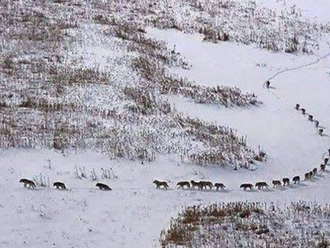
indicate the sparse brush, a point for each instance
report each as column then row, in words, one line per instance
column 80, row 172
column 253, row 224
column 93, row 175
column 41, row 180
column 56, row 99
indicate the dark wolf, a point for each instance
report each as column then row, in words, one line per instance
column 246, row 186
column 27, row 182
column 160, row 183
column 103, row 186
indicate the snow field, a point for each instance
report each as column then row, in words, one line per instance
column 134, row 213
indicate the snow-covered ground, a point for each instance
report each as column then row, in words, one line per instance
column 134, row 212
column 292, row 142
column 131, row 215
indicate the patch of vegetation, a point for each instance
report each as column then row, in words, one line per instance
column 52, row 96
column 242, row 224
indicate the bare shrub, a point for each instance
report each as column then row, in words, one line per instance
column 253, row 224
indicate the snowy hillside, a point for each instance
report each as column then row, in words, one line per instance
column 124, row 93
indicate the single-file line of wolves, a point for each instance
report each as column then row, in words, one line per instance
column 260, row 185
column 204, row 185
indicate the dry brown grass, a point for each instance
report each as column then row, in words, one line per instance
column 253, row 225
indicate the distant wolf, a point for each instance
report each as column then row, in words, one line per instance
column 296, row 179
column 276, row 183
column 307, row 176
column 311, row 174
column 326, row 160
column 219, row 186
column 103, row 186
column 159, row 183
column 183, row 183
column 322, row 167
column 297, row 106
column 59, row 185
column 314, row 171
column 205, row 184
column 303, row 111
column 27, row 182
column 310, row 118
column 261, row 185
column 195, row 184
column 246, row 185
column 317, row 123
column 286, row 181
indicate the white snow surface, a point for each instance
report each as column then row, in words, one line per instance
column 134, row 212
column 291, row 141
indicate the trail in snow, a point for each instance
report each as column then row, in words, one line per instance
column 134, row 212
column 173, row 187
column 293, row 146
column 299, row 67
column 295, row 69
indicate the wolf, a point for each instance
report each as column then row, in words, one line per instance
column 246, row 185
column 219, row 186
column 321, row 131
column 286, row 181
column 307, row 176
column 261, row 185
column 276, row 183
column 314, row 171
column 195, row 184
column 59, row 185
column 303, row 111
column 183, row 183
column 311, row 174
column 159, row 183
column 27, row 182
column 296, row 179
column 103, row 186
column 322, row 167
column 317, row 124
column 205, row 184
